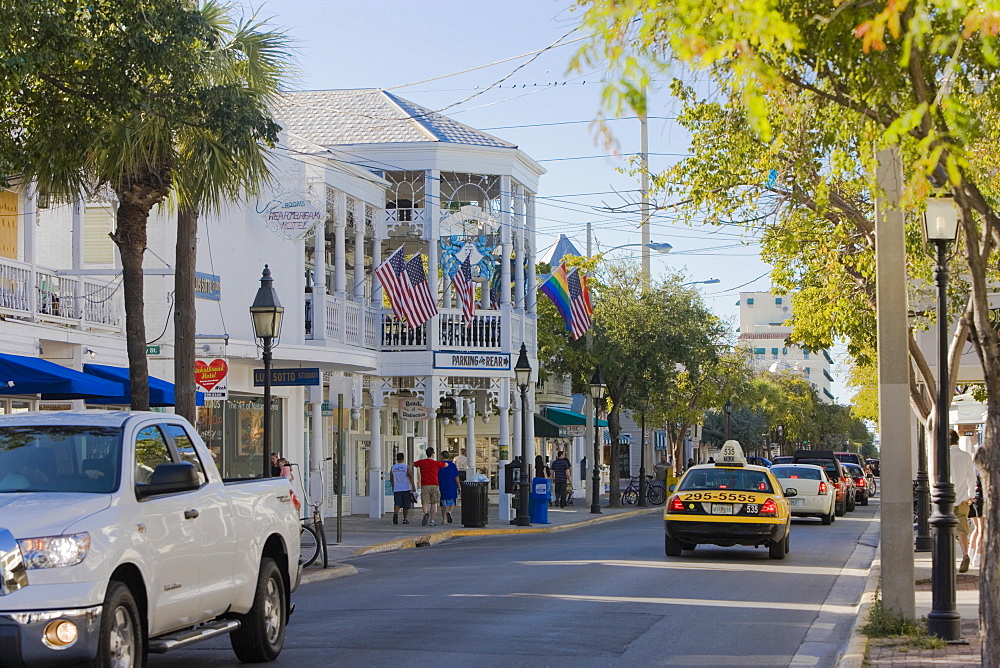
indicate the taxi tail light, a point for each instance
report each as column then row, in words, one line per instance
column 676, row 503
column 769, row 508
column 823, row 489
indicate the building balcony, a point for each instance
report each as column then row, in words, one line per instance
column 40, row 294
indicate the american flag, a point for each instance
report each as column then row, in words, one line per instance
column 462, row 279
column 579, row 297
column 407, row 287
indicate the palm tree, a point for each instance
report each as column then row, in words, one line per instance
column 247, row 66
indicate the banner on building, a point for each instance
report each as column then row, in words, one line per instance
column 212, row 376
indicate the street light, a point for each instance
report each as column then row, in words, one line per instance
column 709, row 281
column 729, row 412
column 660, row 247
column 598, row 389
column 781, row 439
column 522, row 375
column 266, row 312
column 643, row 406
column 941, row 227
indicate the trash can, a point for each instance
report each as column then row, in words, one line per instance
column 539, row 500
column 475, row 503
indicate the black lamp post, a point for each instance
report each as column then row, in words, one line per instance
column 644, row 407
column 941, row 227
column 923, row 541
column 522, row 374
column 729, row 413
column 781, row 439
column 266, row 313
column 598, row 390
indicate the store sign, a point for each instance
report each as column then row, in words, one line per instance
column 291, row 214
column 207, row 286
column 287, row 377
column 413, row 409
column 571, row 430
column 447, row 409
column 472, row 361
column 212, row 376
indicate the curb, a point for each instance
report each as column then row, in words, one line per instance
column 341, row 570
column 856, row 648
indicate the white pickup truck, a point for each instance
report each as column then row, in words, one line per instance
column 119, row 537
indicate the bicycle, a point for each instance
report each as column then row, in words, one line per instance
column 312, row 536
column 656, row 494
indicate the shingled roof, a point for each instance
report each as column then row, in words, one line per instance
column 369, row 116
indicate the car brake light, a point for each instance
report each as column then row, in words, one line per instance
column 861, row 482
column 823, row 488
column 769, row 508
column 676, row 503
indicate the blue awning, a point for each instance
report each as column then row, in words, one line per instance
column 33, row 375
column 566, row 417
column 161, row 393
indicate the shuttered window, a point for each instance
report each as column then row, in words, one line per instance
column 98, row 248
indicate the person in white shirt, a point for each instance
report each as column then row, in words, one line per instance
column 461, row 463
column 402, row 489
column 963, row 476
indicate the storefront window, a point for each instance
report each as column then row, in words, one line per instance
column 234, row 433
column 487, row 451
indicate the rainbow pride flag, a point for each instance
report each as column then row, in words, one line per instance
column 556, row 288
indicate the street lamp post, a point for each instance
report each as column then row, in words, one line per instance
column 781, row 439
column 522, row 374
column 266, row 312
column 729, row 413
column 644, row 407
column 598, row 389
column 941, row 227
column 923, row 542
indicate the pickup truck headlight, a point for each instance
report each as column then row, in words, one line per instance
column 54, row 551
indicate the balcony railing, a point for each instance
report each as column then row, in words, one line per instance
column 41, row 294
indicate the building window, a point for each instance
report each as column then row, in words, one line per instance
column 774, row 353
column 749, row 301
column 777, row 300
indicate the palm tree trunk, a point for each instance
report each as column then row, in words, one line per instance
column 185, row 313
column 130, row 237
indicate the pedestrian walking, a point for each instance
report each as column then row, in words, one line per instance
column 450, row 486
column 430, row 492
column 402, row 489
column 963, row 475
column 662, row 469
column 561, row 472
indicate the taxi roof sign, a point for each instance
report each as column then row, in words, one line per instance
column 731, row 454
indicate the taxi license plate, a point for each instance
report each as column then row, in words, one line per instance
column 722, row 509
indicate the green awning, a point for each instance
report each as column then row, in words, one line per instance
column 566, row 417
column 546, row 428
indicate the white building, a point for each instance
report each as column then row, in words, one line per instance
column 384, row 173
column 764, row 329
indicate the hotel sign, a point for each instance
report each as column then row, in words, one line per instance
column 472, row 361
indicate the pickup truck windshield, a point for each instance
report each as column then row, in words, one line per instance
column 727, row 479
column 60, row 458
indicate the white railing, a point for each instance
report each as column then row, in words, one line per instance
column 406, row 222
column 485, row 332
column 42, row 294
column 352, row 323
column 397, row 335
column 334, row 307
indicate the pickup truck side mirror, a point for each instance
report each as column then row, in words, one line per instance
column 170, row 479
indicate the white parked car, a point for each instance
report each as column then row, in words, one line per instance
column 816, row 494
column 119, row 537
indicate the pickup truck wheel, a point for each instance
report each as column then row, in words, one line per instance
column 122, row 643
column 262, row 630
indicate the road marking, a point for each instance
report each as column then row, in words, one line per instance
column 705, row 603
column 756, row 567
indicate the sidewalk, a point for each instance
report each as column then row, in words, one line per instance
column 894, row 652
column 363, row 535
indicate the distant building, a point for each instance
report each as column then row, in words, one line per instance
column 765, row 328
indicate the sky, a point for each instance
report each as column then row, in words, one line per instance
column 410, row 48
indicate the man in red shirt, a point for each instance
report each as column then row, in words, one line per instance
column 430, row 493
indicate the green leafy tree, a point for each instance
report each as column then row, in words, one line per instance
column 811, row 88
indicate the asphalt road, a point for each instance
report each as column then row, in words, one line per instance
column 595, row 596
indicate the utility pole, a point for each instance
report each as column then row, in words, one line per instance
column 893, row 389
column 644, row 225
column 588, row 410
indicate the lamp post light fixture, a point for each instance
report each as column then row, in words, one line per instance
column 522, row 375
column 266, row 312
column 598, row 390
column 644, row 407
column 708, row 281
column 729, row 413
column 941, row 227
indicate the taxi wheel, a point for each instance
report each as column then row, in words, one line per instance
column 779, row 549
column 671, row 547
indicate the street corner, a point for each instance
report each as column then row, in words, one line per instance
column 320, row 574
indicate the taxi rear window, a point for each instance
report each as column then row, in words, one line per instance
column 795, row 472
column 726, row 479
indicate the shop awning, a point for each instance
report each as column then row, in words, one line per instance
column 161, row 393
column 33, row 375
column 546, row 428
column 566, row 417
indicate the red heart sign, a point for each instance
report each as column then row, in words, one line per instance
column 208, row 375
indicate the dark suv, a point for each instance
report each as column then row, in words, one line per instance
column 835, row 472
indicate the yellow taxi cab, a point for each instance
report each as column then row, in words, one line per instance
column 728, row 503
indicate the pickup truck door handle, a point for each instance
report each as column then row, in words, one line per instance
column 190, row 514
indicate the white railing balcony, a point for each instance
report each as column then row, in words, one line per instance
column 42, row 295
column 483, row 334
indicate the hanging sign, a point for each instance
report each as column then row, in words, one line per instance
column 212, row 376
column 447, row 409
column 472, row 361
column 413, row 408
